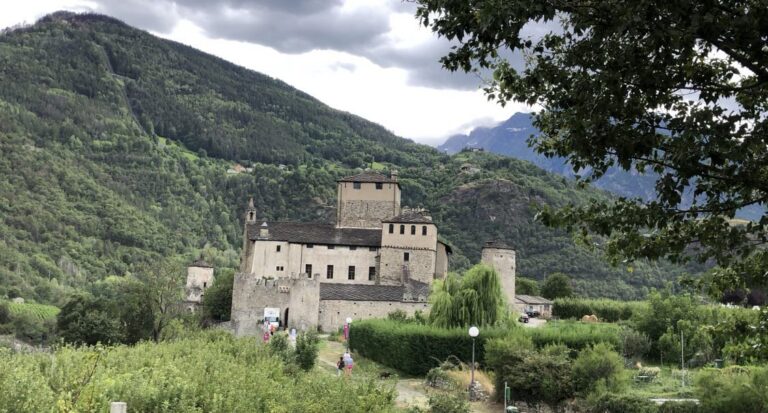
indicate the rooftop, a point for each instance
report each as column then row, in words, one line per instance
column 497, row 244
column 369, row 292
column 532, row 299
column 316, row 233
column 411, row 217
column 368, row 176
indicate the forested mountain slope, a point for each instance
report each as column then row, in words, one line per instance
column 114, row 147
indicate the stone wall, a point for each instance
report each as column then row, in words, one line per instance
column 250, row 295
column 503, row 261
column 421, row 265
column 365, row 213
column 333, row 313
column 198, row 280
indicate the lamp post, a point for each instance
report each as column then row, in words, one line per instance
column 473, row 332
column 346, row 330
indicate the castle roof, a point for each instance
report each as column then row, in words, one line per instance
column 317, row 233
column 368, row 176
column 411, row 217
column 370, row 292
column 201, row 263
column 532, row 299
column 498, row 245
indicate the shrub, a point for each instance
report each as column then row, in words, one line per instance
column 680, row 407
column 397, row 315
column 5, row 313
column 306, row 350
column 738, row 389
column 606, row 310
column 623, row 403
column 634, row 344
column 575, row 335
column 598, row 363
column 448, row 403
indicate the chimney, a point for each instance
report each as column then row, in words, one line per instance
column 393, row 175
column 264, row 230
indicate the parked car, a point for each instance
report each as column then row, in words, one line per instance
column 533, row 313
column 523, row 318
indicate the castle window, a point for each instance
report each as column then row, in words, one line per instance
column 351, row 273
column 205, row 285
column 406, row 256
column 278, row 248
column 413, row 229
column 356, row 185
column 379, row 185
column 391, row 228
column 424, row 230
column 352, row 247
column 279, row 268
column 310, row 246
column 331, row 247
column 329, row 272
column 402, row 229
column 308, row 270
column 371, row 273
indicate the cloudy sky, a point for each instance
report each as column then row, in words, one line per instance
column 368, row 57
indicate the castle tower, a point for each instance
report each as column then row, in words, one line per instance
column 365, row 200
column 501, row 257
column 199, row 278
column 250, row 218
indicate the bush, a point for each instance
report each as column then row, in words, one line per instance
column 680, row 407
column 414, row 348
column 217, row 302
column 634, row 344
column 448, row 403
column 733, row 389
column 306, row 350
column 575, row 335
column 623, row 403
column 5, row 313
column 598, row 363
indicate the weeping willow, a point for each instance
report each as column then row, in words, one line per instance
column 473, row 299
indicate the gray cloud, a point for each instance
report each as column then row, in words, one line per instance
column 298, row 26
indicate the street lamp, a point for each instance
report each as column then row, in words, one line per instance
column 473, row 332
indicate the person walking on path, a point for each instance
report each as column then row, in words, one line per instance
column 339, row 366
column 348, row 363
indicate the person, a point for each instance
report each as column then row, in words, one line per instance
column 339, row 366
column 348, row 363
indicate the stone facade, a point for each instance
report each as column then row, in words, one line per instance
column 297, row 298
column 199, row 278
column 333, row 313
column 502, row 258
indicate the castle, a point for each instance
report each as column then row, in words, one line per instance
column 377, row 258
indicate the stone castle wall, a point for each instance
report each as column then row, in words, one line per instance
column 421, row 265
column 503, row 261
column 251, row 295
column 333, row 313
column 365, row 213
column 198, row 280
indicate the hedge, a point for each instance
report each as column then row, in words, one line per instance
column 416, row 348
column 606, row 310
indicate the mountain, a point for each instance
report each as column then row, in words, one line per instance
column 115, row 147
column 510, row 138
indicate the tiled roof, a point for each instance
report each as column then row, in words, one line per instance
column 497, row 244
column 201, row 263
column 532, row 299
column 411, row 217
column 361, row 292
column 314, row 233
column 368, row 292
column 367, row 177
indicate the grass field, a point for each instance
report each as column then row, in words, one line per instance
column 41, row 311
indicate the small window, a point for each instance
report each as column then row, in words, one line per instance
column 371, row 273
column 329, row 272
column 310, row 246
column 372, row 249
column 277, row 248
column 205, row 285
column 351, row 273
column 308, row 270
column 391, row 228
column 402, row 229
column 278, row 268
column 379, row 185
column 406, row 256
column 424, row 230
column 356, row 185
column 413, row 229
column 331, row 247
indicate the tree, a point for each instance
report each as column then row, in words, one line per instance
column 88, row 320
column 677, row 89
column 598, row 363
column 163, row 293
column 556, row 285
column 217, row 302
column 526, row 286
column 474, row 299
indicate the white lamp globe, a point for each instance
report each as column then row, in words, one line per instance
column 474, row 331
column 349, row 320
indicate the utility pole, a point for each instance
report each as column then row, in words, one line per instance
column 682, row 358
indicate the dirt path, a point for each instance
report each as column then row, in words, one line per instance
column 410, row 391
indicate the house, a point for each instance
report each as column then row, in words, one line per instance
column 529, row 303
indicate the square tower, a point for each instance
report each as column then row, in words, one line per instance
column 365, row 200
